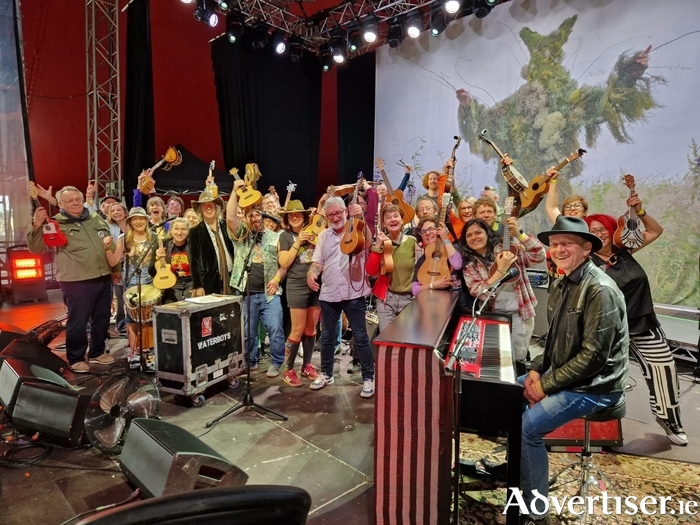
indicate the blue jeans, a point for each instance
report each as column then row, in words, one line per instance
column 87, row 301
column 355, row 310
column 542, row 418
column 271, row 316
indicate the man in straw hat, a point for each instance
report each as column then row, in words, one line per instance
column 211, row 251
column 585, row 363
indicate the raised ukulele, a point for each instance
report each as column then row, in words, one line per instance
column 247, row 195
column 531, row 196
column 164, row 278
column 53, row 236
column 510, row 210
column 396, row 196
column 629, row 233
column 386, row 264
column 172, row 157
column 291, row 188
column 353, row 240
column 512, row 176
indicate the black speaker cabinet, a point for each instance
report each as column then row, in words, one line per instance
column 35, row 353
column 57, row 413
column 13, row 372
column 9, row 333
column 161, row 459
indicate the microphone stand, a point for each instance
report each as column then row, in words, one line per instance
column 454, row 367
column 247, row 400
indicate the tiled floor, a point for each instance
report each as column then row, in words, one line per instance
column 326, row 446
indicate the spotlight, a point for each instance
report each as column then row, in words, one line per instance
column 354, row 40
column 206, row 14
column 234, row 28
column 224, row 5
column 452, row 6
column 338, row 49
column 491, row 2
column 296, row 49
column 279, row 44
column 370, row 29
column 326, row 58
column 438, row 22
column 395, row 35
column 187, row 1
column 259, row 39
column 414, row 25
column 482, row 11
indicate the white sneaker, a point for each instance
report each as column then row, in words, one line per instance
column 322, row 381
column 367, row 388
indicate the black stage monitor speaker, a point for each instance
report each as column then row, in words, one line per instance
column 13, row 372
column 161, row 459
column 57, row 413
column 9, row 333
column 35, row 353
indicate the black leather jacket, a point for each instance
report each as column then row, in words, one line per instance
column 588, row 340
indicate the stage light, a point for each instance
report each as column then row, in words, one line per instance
column 491, row 2
column 414, row 25
column 279, row 44
column 224, row 6
column 296, row 49
column 370, row 29
column 206, row 14
column 326, row 58
column 395, row 34
column 338, row 46
column 187, row 1
column 482, row 11
column 354, row 40
column 234, row 27
column 438, row 22
column 452, row 6
column 259, row 39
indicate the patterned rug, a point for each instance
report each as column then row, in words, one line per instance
column 628, row 476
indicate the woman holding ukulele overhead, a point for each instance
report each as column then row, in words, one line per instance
column 393, row 247
column 647, row 339
column 294, row 253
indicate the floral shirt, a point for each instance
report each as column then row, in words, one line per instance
column 242, row 240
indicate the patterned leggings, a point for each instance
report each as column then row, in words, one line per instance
column 659, row 370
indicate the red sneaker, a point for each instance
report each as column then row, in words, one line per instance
column 290, row 377
column 309, row 371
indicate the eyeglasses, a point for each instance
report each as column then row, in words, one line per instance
column 573, row 206
column 425, row 209
column 428, row 231
column 599, row 231
column 335, row 214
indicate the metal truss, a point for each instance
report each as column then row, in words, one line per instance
column 103, row 104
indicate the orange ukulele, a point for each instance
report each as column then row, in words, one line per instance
column 629, row 233
column 510, row 210
column 387, row 263
column 53, row 236
column 396, row 196
column 172, row 157
column 353, row 241
column 531, row 196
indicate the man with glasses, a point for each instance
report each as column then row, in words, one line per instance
column 343, row 290
column 83, row 273
column 492, row 193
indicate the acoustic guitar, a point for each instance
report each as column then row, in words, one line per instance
column 396, row 196
column 353, row 240
column 512, row 176
column 510, row 211
column 386, row 264
column 436, row 266
column 247, row 195
column 629, row 233
column 531, row 196
column 53, row 236
column 164, row 278
column 172, row 157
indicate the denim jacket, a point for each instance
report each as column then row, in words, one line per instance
column 242, row 242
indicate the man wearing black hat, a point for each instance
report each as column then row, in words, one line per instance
column 585, row 363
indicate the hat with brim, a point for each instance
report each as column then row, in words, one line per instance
column 571, row 226
column 110, row 196
column 205, row 197
column 137, row 211
column 294, row 206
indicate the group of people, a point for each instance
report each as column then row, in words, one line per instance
column 600, row 301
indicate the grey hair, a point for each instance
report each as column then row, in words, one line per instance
column 334, row 201
column 180, row 220
column 432, row 202
column 59, row 193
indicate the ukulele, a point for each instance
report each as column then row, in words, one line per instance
column 629, row 226
column 396, row 196
column 512, row 176
column 247, row 195
column 387, row 262
column 53, row 236
column 531, row 196
column 353, row 240
column 505, row 246
column 172, row 157
column 211, row 185
column 291, row 188
column 164, row 278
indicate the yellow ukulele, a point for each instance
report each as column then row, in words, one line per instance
column 165, row 278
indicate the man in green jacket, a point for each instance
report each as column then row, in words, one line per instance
column 83, row 274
